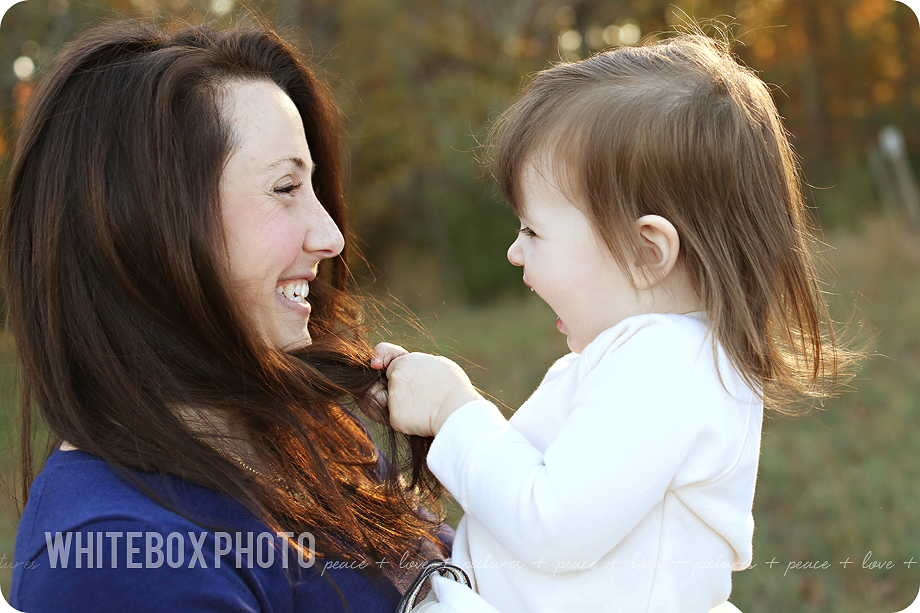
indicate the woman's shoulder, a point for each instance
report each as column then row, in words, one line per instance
column 90, row 538
column 76, row 490
column 85, row 525
column 75, row 487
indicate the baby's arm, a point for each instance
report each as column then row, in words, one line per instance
column 423, row 390
column 635, row 418
column 537, row 494
column 649, row 405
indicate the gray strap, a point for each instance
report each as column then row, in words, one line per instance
column 435, row 566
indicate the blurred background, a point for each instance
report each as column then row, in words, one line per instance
column 418, row 81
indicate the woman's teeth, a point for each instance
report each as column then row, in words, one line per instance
column 296, row 292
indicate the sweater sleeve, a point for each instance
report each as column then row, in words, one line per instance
column 633, row 423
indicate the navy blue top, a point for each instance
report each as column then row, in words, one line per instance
column 89, row 541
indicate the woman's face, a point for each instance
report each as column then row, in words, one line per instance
column 276, row 230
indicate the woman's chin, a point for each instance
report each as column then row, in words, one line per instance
column 289, row 336
column 298, row 344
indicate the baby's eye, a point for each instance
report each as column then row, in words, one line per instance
column 527, row 232
column 288, row 189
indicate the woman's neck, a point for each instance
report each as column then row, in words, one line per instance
column 226, row 437
column 229, row 440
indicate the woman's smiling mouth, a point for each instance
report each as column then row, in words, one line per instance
column 295, row 291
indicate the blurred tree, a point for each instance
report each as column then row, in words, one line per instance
column 419, row 79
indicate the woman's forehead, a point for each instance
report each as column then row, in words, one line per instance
column 267, row 126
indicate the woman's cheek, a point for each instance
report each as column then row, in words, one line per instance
column 283, row 243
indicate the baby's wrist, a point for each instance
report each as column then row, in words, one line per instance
column 450, row 406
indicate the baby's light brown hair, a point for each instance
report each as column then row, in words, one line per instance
column 680, row 129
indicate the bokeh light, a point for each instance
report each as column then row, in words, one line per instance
column 565, row 16
column 23, row 67
column 222, row 7
column 570, row 41
column 58, row 7
column 594, row 38
column 630, row 33
column 611, row 35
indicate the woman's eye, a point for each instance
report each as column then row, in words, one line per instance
column 527, row 232
column 288, row 189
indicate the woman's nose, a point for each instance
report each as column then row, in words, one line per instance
column 515, row 255
column 323, row 237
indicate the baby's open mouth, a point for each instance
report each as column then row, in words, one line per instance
column 295, row 291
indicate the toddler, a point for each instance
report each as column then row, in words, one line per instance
column 662, row 220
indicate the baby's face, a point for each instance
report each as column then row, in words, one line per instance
column 566, row 264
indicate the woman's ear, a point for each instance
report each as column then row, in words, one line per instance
column 660, row 246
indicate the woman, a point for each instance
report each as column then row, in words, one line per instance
column 175, row 271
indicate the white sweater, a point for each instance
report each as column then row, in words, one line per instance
column 625, row 483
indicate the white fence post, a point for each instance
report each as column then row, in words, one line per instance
column 892, row 147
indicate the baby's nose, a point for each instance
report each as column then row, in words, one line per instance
column 515, row 255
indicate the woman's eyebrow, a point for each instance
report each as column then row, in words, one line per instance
column 298, row 162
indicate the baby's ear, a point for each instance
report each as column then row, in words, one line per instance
column 660, row 246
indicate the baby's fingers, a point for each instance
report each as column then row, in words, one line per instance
column 384, row 353
column 375, row 402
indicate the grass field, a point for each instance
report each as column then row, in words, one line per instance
column 839, row 490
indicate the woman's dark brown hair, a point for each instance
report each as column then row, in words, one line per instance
column 122, row 310
column 680, row 129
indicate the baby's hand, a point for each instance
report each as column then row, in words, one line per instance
column 376, row 398
column 384, row 353
column 424, row 390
